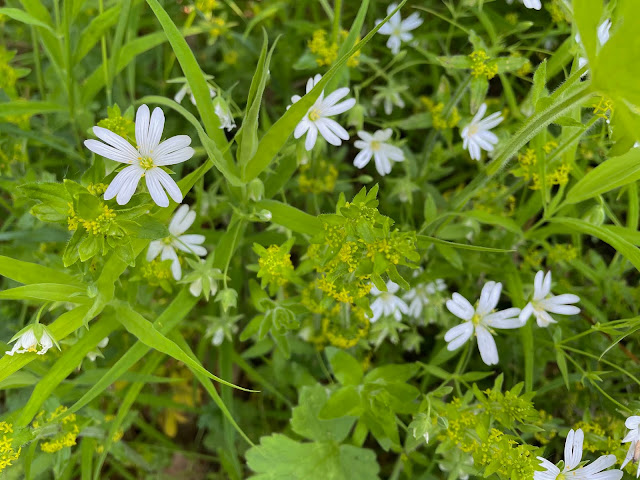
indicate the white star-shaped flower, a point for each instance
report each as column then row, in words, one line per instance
column 477, row 135
column 420, row 296
column 144, row 161
column 181, row 221
column 316, row 120
column 543, row 302
column 398, row 29
column 572, row 457
column 387, row 304
column 375, row 146
column 34, row 338
column 633, row 424
column 480, row 320
column 187, row 90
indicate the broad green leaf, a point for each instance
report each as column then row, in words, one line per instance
column 346, row 368
column 610, row 174
column 23, row 107
column 305, row 421
column 145, row 227
column 28, row 273
column 279, row 458
column 290, row 217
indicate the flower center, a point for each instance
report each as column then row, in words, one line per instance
column 146, row 162
column 473, row 129
column 314, row 115
column 375, row 145
column 476, row 319
column 561, row 477
column 167, row 240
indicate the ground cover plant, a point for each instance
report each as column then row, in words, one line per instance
column 319, row 239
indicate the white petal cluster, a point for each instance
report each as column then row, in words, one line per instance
column 317, row 118
column 480, row 321
column 144, row 161
column 166, row 248
column 375, row 146
column 572, row 458
column 387, row 304
column 420, row 296
column 544, row 302
column 398, row 29
column 477, row 135
column 34, row 338
column 533, row 4
column 633, row 424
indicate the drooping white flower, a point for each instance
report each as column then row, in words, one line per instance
column 480, row 320
column 35, row 338
column 603, row 37
column 92, row 355
column 543, row 302
column 224, row 114
column 389, row 96
column 387, row 303
column 145, row 160
column 420, row 296
column 316, row 120
column 166, row 248
column 633, row 424
column 572, row 458
column 398, row 29
column 534, row 4
column 187, row 90
column 375, row 146
column 477, row 135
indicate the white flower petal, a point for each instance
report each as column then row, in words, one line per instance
column 487, row 346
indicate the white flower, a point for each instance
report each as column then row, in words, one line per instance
column 387, row 304
column 375, row 146
column 92, row 355
column 316, row 120
column 187, row 90
column 633, row 424
column 390, row 96
column 144, row 161
column 477, row 136
column 33, row 338
column 181, row 221
column 534, row 4
column 398, row 29
column 419, row 296
column 543, row 301
column 572, row 457
column 603, row 37
column 480, row 320
column 226, row 119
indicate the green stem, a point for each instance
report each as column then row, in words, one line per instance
column 337, row 8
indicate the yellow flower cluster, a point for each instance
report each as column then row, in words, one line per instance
column 102, row 224
column 346, row 292
column 345, row 331
column 326, row 53
column 558, row 15
column 275, row 265
column 8, row 75
column 206, row 6
column 157, row 271
column 439, row 121
column 231, row 57
column 603, row 107
column 527, row 162
column 309, row 182
column 68, row 434
column 218, row 27
column 562, row 252
column 118, row 124
column 7, row 454
column 482, row 66
column 97, row 189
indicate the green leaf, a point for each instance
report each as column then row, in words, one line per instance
column 193, row 73
column 586, row 14
column 94, row 31
column 610, row 174
column 50, row 292
column 24, row 17
column 346, row 368
column 146, row 227
column 64, row 366
column 424, row 240
column 291, row 218
column 623, row 247
column 28, row 273
column 144, row 330
column 23, row 107
column 279, row 458
column 305, row 421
